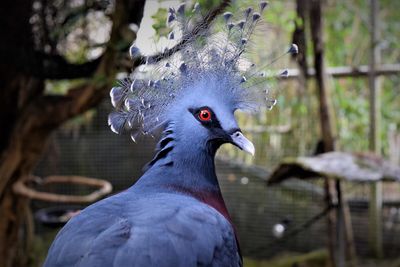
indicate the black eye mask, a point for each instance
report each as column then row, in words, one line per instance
column 206, row 117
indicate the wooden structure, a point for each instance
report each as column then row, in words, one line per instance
column 353, row 167
column 312, row 12
column 339, row 166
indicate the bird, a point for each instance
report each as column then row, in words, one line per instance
column 175, row 214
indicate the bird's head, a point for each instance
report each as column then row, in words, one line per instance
column 204, row 116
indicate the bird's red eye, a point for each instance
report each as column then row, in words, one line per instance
column 205, row 115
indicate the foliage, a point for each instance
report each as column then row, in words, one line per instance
column 159, row 24
column 347, row 44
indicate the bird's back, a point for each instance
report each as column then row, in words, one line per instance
column 155, row 229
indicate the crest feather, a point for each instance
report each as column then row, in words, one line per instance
column 204, row 56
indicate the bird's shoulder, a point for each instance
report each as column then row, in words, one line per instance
column 157, row 229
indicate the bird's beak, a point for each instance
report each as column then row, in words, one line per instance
column 242, row 142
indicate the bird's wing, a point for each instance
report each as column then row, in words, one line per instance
column 167, row 230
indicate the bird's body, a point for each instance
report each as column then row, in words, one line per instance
column 154, row 229
column 173, row 216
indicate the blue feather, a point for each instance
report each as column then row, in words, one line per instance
column 117, row 94
column 134, row 51
column 116, row 121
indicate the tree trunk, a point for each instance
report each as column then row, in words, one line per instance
column 28, row 117
column 17, row 156
column 339, row 223
column 317, row 34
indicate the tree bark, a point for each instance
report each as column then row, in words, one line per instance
column 17, row 89
column 29, row 117
column 300, row 38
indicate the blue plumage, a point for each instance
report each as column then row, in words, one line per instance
column 166, row 229
column 173, row 216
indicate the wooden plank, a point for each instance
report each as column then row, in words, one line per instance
column 375, row 208
column 349, row 71
column 340, row 251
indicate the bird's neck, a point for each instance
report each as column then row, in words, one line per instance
column 184, row 163
column 186, row 168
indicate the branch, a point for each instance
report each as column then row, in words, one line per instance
column 56, row 67
column 90, row 94
column 204, row 24
column 82, row 11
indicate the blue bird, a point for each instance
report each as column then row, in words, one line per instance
column 174, row 215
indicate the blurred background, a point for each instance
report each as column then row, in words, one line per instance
column 324, row 186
